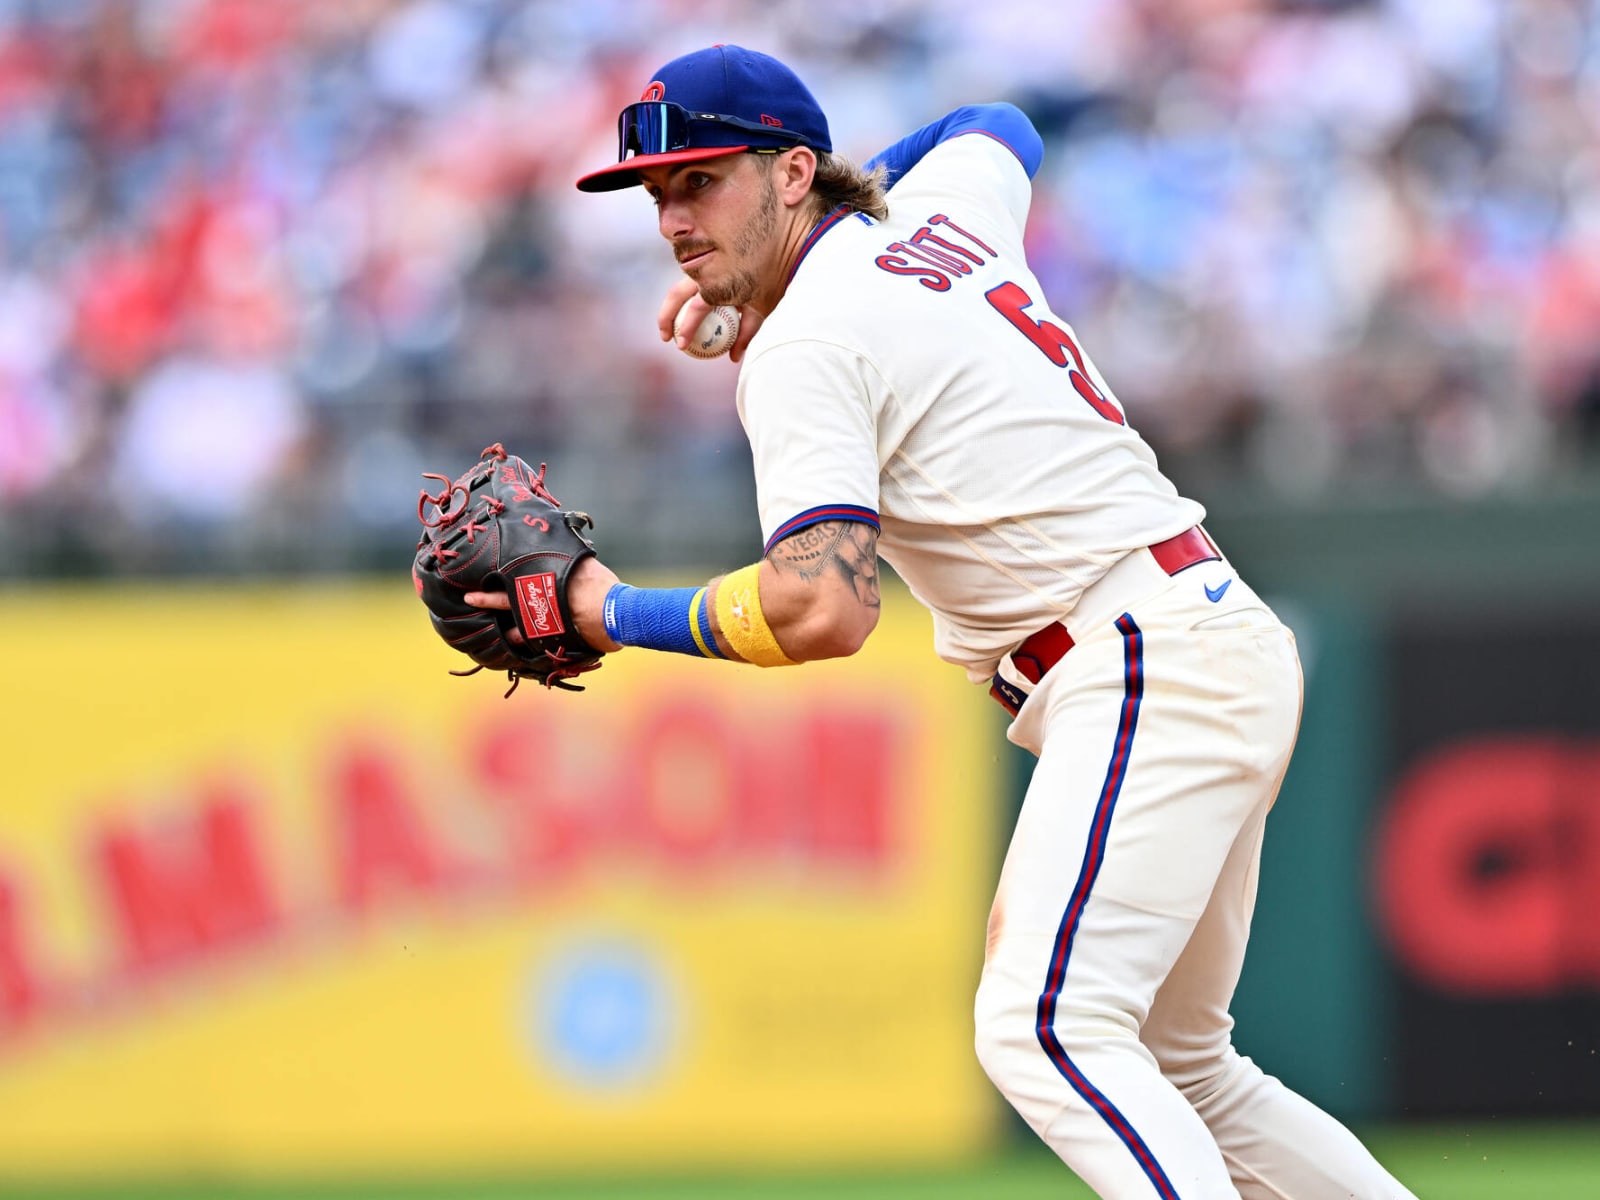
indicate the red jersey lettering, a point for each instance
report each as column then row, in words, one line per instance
column 936, row 281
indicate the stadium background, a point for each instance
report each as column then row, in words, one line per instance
column 286, row 911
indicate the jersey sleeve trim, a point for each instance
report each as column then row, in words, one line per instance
column 813, row 516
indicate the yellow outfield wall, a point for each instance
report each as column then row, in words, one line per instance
column 278, row 895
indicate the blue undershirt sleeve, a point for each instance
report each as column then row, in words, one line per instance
column 1006, row 123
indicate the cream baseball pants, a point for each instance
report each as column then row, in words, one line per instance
column 1119, row 924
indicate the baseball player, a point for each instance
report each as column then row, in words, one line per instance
column 908, row 392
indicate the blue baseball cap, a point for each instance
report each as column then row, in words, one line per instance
column 714, row 102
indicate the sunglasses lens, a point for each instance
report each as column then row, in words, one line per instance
column 651, row 127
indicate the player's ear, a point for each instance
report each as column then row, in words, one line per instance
column 793, row 173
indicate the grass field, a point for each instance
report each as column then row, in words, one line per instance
column 1480, row 1162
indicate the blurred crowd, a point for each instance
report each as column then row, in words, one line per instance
column 264, row 262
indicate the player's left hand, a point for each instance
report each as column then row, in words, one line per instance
column 496, row 526
column 685, row 296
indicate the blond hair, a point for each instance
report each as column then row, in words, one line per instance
column 838, row 181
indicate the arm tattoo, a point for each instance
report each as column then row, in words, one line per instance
column 846, row 549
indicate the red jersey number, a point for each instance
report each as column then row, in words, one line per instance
column 1055, row 343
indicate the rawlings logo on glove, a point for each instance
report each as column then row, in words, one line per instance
column 498, row 528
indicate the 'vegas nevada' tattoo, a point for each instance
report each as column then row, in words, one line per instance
column 847, row 548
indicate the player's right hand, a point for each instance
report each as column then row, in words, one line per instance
column 684, row 296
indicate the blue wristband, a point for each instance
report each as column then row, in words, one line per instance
column 671, row 619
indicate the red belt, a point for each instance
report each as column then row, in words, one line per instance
column 1042, row 650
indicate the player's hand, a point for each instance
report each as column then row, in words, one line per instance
column 586, row 593
column 685, row 296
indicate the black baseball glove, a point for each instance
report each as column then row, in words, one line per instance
column 498, row 528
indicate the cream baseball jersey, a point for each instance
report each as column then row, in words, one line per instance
column 914, row 377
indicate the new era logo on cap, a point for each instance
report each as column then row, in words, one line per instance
column 718, row 101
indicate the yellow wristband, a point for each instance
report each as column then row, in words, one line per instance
column 740, row 618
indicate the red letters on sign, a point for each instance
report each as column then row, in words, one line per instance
column 380, row 841
column 695, row 797
column 677, row 790
column 1488, row 867
column 192, row 886
column 19, row 984
column 847, row 814
column 537, row 798
column 514, row 802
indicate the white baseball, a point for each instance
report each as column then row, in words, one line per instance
column 714, row 336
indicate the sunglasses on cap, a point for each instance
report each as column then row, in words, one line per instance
column 660, row 127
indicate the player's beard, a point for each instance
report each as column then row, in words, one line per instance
column 750, row 245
